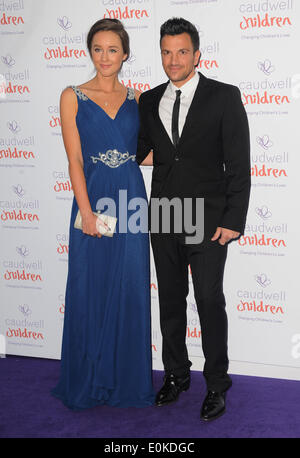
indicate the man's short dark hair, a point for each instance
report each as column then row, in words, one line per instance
column 177, row 26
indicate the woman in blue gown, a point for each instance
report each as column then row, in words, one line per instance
column 106, row 347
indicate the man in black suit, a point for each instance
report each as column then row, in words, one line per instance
column 194, row 131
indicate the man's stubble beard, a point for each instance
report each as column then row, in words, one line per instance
column 181, row 78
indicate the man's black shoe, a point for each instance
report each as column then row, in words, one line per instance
column 213, row 406
column 171, row 389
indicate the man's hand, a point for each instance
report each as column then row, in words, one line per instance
column 224, row 235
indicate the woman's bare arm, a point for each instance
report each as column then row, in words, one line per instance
column 68, row 111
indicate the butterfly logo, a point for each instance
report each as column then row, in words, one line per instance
column 14, row 127
column 64, row 23
column 22, row 250
column 264, row 142
column 262, row 280
column 263, row 212
column 266, row 67
column 131, row 59
column 25, row 310
column 193, row 307
column 8, row 60
column 18, row 190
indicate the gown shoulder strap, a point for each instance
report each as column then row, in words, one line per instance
column 131, row 93
column 79, row 93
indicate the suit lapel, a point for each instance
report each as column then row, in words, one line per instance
column 196, row 104
column 155, row 110
column 198, row 98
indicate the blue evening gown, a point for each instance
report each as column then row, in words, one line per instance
column 106, row 347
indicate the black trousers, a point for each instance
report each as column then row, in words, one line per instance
column 207, row 261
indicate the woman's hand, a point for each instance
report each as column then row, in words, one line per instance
column 89, row 225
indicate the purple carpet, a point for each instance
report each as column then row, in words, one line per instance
column 256, row 408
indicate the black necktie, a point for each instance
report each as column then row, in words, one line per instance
column 175, row 115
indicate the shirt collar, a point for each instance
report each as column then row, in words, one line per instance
column 188, row 88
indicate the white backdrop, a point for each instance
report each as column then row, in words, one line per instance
column 252, row 44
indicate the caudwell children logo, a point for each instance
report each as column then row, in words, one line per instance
column 62, row 184
column 262, row 300
column 267, row 163
column 134, row 71
column 18, row 209
column 266, row 91
column 265, row 233
column 66, row 46
column 126, row 9
column 54, row 120
column 275, row 15
column 11, row 14
column 209, row 53
column 25, row 326
column 134, row 75
column 14, row 81
column 140, row 86
column 23, row 268
column 16, row 146
column 62, row 244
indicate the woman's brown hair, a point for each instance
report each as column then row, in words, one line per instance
column 109, row 25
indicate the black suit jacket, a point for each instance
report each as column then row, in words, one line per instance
column 212, row 159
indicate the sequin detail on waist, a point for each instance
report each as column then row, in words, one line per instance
column 113, row 158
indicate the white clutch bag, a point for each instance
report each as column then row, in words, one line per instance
column 110, row 221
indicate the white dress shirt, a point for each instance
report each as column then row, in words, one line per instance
column 168, row 99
